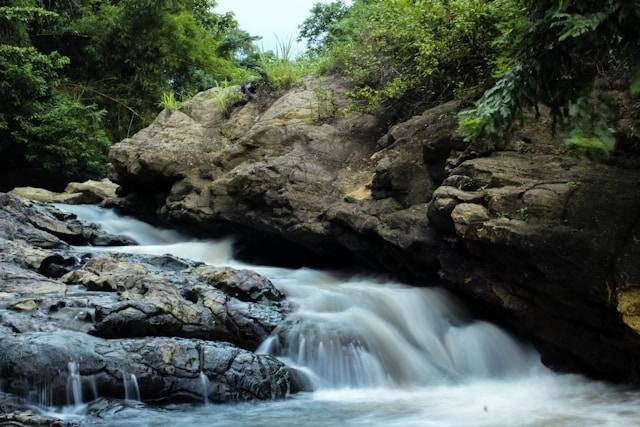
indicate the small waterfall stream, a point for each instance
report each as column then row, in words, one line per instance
column 74, row 385
column 377, row 353
column 131, row 388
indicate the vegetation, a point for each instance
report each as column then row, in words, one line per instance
column 405, row 50
column 552, row 53
column 279, row 70
column 513, row 55
column 76, row 75
column 226, row 97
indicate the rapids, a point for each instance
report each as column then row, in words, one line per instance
column 378, row 353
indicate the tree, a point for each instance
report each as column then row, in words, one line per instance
column 33, row 105
column 318, row 28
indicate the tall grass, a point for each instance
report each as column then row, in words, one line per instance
column 168, row 101
column 279, row 69
column 226, row 97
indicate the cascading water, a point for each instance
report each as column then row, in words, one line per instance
column 367, row 334
column 74, row 385
column 204, row 382
column 131, row 388
column 380, row 353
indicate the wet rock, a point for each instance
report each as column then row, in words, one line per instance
column 187, row 300
column 166, row 369
column 244, row 285
column 46, row 227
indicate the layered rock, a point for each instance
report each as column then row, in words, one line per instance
column 164, row 296
column 546, row 245
column 101, row 320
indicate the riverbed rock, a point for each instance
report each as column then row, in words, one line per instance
column 533, row 239
column 59, row 304
column 188, row 300
column 44, row 226
column 165, row 369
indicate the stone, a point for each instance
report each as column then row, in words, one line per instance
column 166, row 369
column 547, row 247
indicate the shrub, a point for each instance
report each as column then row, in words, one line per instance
column 227, row 97
column 394, row 49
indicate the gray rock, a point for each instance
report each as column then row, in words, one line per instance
column 166, row 369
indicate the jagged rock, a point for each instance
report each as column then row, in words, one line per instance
column 548, row 246
column 286, row 177
column 187, row 300
column 166, row 369
column 46, row 324
column 46, row 227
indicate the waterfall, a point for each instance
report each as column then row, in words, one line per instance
column 204, row 382
column 94, row 387
column 376, row 353
column 131, row 388
column 74, row 385
column 362, row 333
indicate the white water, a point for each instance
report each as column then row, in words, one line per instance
column 74, row 385
column 131, row 389
column 204, row 382
column 381, row 353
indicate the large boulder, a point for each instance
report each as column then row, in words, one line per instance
column 550, row 246
column 543, row 244
column 278, row 172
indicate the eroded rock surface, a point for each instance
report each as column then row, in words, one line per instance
column 164, row 321
column 544, row 244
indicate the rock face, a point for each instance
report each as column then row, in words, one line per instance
column 544, row 244
column 100, row 321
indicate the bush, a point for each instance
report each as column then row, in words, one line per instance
column 394, row 49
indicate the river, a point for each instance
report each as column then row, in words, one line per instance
column 378, row 353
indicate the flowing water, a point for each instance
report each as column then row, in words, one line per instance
column 378, row 353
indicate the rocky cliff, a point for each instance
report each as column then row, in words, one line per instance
column 540, row 242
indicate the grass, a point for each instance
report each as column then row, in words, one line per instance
column 280, row 70
column 227, row 97
column 169, row 102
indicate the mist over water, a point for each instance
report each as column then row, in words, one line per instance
column 379, row 354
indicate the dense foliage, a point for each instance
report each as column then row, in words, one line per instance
column 409, row 49
column 552, row 52
column 519, row 53
column 79, row 74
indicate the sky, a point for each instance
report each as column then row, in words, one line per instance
column 269, row 18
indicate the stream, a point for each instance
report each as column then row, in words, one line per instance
column 378, row 353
